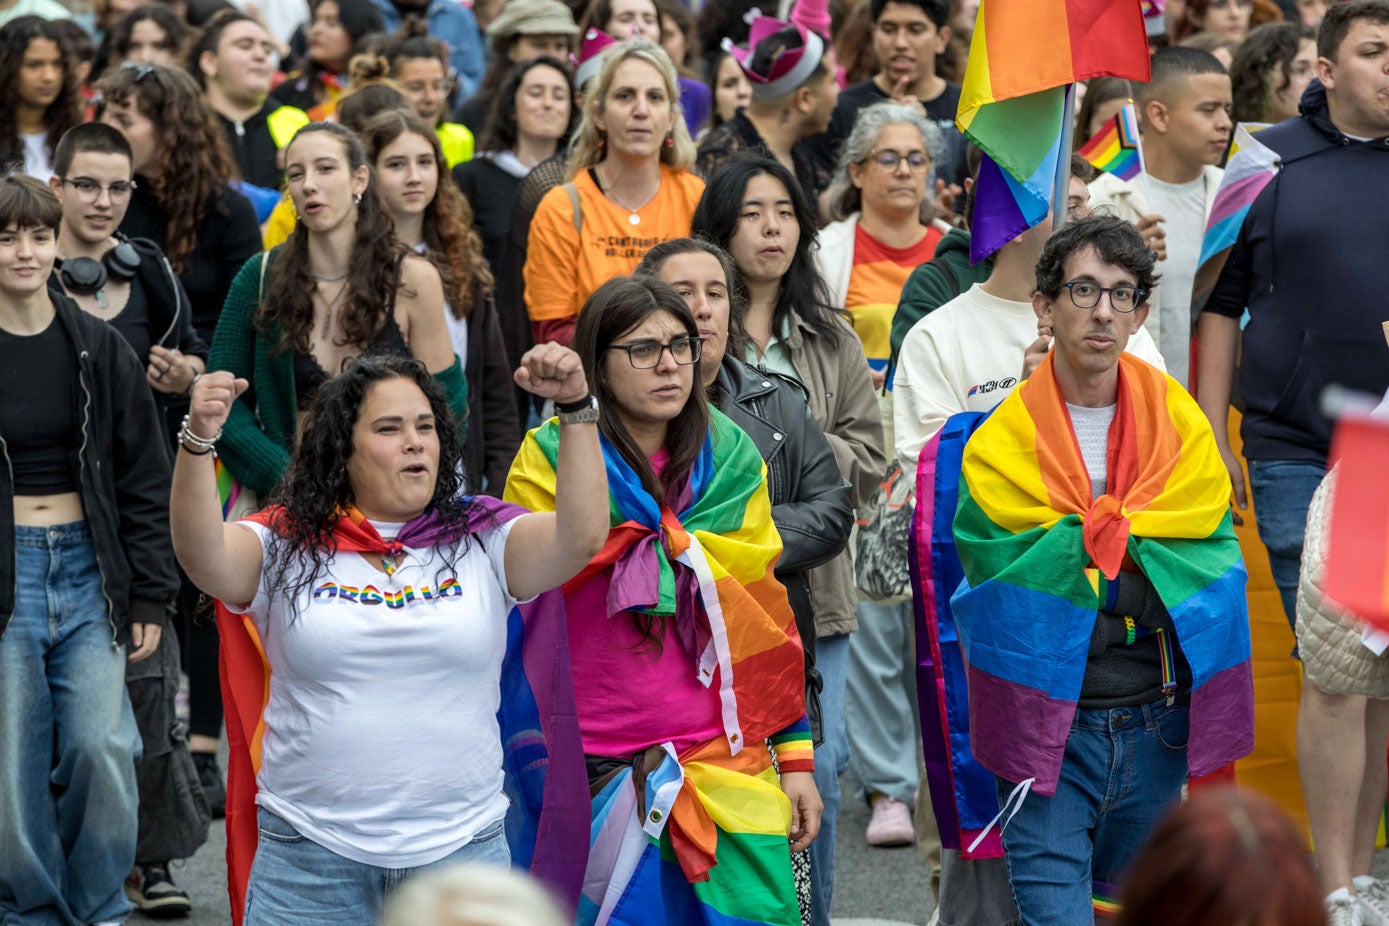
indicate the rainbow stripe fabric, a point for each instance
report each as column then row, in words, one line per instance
column 542, row 752
column 1251, row 166
column 1023, row 56
column 1114, row 149
column 711, row 843
column 1037, row 553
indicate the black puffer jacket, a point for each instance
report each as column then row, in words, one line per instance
column 810, row 499
column 124, row 478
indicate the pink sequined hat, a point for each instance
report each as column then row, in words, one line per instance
column 791, row 67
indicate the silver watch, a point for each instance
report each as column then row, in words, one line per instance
column 588, row 414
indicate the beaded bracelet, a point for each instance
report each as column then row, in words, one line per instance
column 194, row 443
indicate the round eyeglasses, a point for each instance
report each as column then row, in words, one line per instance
column 1122, row 299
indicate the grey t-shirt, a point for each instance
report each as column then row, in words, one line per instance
column 1092, row 433
column 1183, row 205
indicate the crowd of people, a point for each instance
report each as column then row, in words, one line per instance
column 574, row 437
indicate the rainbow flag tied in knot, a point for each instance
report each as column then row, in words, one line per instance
column 1037, row 553
column 709, row 845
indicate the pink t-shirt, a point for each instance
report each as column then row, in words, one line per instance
column 630, row 698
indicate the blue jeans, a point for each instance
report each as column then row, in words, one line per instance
column 1282, row 491
column 296, row 882
column 68, row 741
column 831, row 761
column 1123, row 768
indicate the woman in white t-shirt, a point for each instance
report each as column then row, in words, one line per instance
column 378, row 598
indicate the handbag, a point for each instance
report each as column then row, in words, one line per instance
column 881, row 570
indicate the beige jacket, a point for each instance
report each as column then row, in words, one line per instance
column 835, row 374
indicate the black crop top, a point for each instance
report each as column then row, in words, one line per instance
column 38, row 410
column 309, row 375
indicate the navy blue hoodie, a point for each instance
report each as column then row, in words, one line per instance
column 1312, row 266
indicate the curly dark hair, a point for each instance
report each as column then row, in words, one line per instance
column 315, row 490
column 116, row 47
column 195, row 164
column 62, row 114
column 374, row 278
column 452, row 243
column 1116, row 242
column 502, row 129
column 1262, row 67
column 716, row 219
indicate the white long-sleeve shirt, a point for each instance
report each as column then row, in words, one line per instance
column 967, row 356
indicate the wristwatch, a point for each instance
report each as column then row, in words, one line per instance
column 584, row 411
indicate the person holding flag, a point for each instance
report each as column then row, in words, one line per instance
column 1184, row 112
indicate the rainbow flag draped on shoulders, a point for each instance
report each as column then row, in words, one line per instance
column 701, row 836
column 1022, row 57
column 1037, row 553
column 542, row 752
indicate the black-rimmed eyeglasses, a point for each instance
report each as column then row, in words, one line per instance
column 645, row 355
column 1123, row 299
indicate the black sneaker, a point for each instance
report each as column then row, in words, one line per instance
column 153, row 891
column 210, row 776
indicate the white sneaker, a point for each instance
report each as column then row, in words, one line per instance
column 1342, row 909
column 1373, row 895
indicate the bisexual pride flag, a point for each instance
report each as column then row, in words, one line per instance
column 1039, row 558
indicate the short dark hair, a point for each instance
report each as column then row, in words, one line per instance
column 1176, row 61
column 1335, row 26
column 28, row 203
column 938, row 11
column 1082, row 169
column 93, row 137
column 211, row 40
column 1116, row 242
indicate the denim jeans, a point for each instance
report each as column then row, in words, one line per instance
column 831, row 761
column 68, row 741
column 296, row 882
column 1282, row 491
column 1123, row 768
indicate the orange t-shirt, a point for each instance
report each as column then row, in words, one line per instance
column 875, row 286
column 564, row 266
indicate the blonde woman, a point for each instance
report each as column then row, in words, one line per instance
column 629, row 187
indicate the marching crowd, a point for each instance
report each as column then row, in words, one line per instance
column 577, row 437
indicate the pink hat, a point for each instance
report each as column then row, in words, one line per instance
column 813, row 14
column 590, row 59
column 789, row 69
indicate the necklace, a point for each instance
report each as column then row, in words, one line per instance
column 328, row 308
column 323, row 279
column 632, row 219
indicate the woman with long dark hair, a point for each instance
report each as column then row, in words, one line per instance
column 432, row 218
column 377, row 746
column 340, row 287
column 756, row 211
column 334, row 34
column 43, row 95
column 685, row 651
column 182, row 200
column 1271, row 68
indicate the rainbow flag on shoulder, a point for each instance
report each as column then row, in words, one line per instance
column 1114, row 149
column 1040, row 558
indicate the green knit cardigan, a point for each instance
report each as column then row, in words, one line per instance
column 260, row 432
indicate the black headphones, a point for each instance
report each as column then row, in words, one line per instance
column 84, row 275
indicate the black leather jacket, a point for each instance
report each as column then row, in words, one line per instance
column 810, row 498
column 124, row 479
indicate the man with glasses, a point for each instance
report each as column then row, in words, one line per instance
column 130, row 284
column 1092, row 501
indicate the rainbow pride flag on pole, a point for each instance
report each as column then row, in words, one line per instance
column 1014, row 100
column 1039, row 558
column 1115, row 148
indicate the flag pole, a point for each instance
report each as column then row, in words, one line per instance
column 1061, row 193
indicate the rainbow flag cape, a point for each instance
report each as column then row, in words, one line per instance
column 1114, row 149
column 1251, row 166
column 1038, row 553
column 1023, row 56
column 543, row 755
column 711, row 844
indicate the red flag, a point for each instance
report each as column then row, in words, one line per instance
column 1357, row 569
